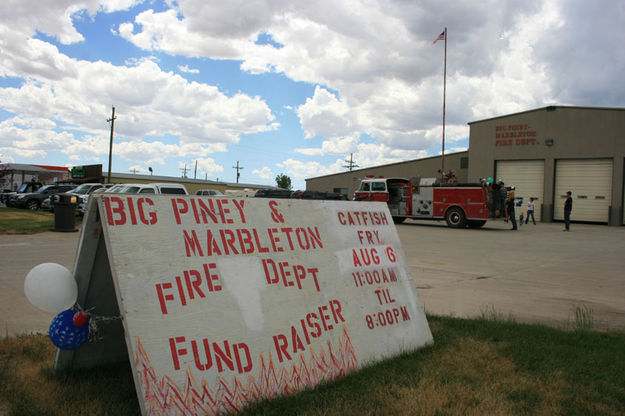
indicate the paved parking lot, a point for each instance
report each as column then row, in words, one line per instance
column 536, row 274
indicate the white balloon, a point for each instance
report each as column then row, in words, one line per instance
column 51, row 287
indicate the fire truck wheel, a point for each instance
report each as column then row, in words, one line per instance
column 455, row 218
column 477, row 223
column 398, row 220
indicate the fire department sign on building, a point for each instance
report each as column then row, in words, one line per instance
column 228, row 301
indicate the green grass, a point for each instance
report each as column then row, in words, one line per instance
column 584, row 317
column 476, row 367
column 23, row 221
column 29, row 386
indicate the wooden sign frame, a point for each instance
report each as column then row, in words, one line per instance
column 219, row 302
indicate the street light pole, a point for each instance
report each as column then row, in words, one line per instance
column 112, row 121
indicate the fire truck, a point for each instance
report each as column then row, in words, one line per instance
column 460, row 205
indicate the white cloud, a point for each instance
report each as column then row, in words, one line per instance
column 31, row 137
column 264, row 173
column 94, row 148
column 334, row 146
column 364, row 155
column 300, row 169
column 137, row 169
column 324, row 115
column 379, row 57
column 205, row 167
column 149, row 101
column 165, row 32
column 186, row 69
column 208, row 166
column 55, row 18
column 372, row 154
column 36, row 137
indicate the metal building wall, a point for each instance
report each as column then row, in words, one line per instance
column 551, row 134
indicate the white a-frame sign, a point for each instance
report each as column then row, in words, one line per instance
column 219, row 302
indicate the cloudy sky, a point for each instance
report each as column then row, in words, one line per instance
column 288, row 87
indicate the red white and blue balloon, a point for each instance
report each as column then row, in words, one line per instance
column 69, row 329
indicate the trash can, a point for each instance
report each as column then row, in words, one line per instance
column 64, row 212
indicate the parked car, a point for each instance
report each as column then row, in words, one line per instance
column 208, row 192
column 5, row 194
column 334, row 196
column 149, row 188
column 25, row 188
column 138, row 188
column 82, row 203
column 33, row 200
column 240, row 193
column 46, row 204
column 171, row 188
column 273, row 193
column 116, row 188
column 80, row 191
column 87, row 188
column 154, row 188
column 284, row 193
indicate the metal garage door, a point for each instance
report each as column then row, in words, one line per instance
column 527, row 176
column 590, row 181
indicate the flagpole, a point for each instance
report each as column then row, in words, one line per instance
column 444, row 96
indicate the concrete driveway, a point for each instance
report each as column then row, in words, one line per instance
column 20, row 253
column 536, row 274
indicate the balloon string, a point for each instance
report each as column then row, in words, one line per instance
column 93, row 316
column 94, row 322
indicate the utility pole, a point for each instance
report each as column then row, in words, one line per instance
column 350, row 163
column 134, row 171
column 238, row 168
column 112, row 121
column 184, row 171
column 195, row 172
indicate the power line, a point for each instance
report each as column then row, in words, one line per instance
column 238, row 168
column 350, row 163
column 184, row 171
column 112, row 121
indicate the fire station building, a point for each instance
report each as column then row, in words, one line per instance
column 548, row 151
column 543, row 152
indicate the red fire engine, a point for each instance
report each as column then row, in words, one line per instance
column 426, row 198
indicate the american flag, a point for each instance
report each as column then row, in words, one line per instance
column 440, row 37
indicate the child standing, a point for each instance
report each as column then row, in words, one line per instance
column 530, row 211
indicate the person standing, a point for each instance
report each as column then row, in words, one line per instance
column 568, row 207
column 511, row 213
column 530, row 211
column 502, row 196
column 490, row 201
